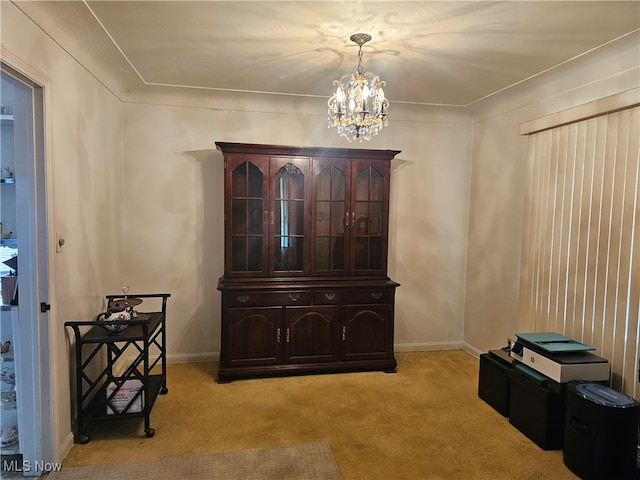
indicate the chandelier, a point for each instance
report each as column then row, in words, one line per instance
column 358, row 108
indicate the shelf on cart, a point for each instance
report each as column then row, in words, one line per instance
column 98, row 334
column 97, row 408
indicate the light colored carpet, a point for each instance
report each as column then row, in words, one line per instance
column 309, row 461
column 425, row 422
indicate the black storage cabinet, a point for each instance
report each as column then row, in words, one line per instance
column 495, row 380
column 601, row 433
column 537, row 407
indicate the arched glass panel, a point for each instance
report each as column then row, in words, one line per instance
column 247, row 211
column 368, row 219
column 288, row 219
column 330, row 219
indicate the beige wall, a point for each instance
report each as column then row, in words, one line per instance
column 173, row 227
column 84, row 168
column 499, row 176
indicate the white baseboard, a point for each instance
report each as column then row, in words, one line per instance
column 66, row 446
column 193, row 357
column 427, row 346
column 472, row 350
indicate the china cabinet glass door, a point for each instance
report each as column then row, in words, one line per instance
column 331, row 219
column 287, row 217
column 367, row 219
column 248, row 217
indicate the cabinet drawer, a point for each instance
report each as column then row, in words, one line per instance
column 252, row 299
column 332, row 297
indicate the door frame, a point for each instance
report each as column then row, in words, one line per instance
column 37, row 413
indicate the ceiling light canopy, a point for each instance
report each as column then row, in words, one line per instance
column 358, row 108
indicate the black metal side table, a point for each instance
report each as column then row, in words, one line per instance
column 120, row 375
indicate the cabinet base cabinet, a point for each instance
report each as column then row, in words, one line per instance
column 309, row 330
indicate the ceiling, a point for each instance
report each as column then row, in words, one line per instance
column 433, row 53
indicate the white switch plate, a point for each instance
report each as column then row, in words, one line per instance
column 59, row 242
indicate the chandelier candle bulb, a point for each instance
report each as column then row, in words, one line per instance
column 358, row 108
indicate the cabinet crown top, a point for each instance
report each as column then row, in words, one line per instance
column 332, row 152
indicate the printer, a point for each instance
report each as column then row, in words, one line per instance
column 559, row 358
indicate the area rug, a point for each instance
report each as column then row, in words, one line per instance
column 309, row 461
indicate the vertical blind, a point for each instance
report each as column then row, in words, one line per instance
column 580, row 272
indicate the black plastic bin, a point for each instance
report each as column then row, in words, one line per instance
column 601, row 432
column 537, row 407
column 494, row 380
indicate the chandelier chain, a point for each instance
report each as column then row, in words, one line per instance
column 359, row 69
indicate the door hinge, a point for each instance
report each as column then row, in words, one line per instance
column 44, row 307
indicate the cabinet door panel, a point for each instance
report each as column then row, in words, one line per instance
column 246, row 215
column 370, row 207
column 253, row 336
column 331, row 220
column 310, row 335
column 289, row 222
column 367, row 332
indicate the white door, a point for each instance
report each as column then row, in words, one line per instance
column 22, row 100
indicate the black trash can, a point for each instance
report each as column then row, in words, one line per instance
column 601, row 432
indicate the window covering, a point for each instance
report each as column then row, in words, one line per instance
column 580, row 271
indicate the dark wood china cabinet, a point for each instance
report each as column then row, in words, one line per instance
column 305, row 286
